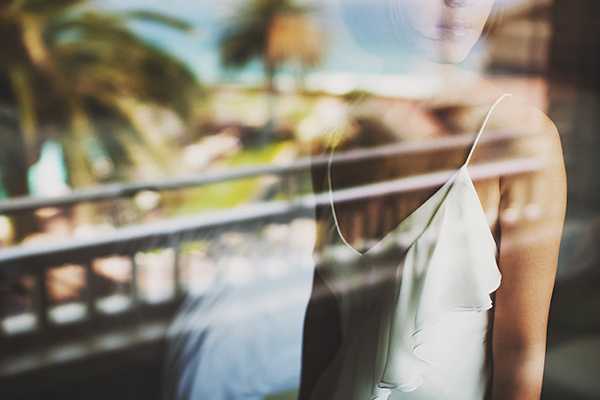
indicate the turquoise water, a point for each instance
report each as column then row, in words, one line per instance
column 48, row 177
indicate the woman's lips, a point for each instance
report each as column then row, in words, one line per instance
column 457, row 29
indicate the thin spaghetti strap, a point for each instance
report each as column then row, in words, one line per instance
column 335, row 220
column 485, row 121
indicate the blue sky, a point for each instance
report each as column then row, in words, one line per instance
column 198, row 49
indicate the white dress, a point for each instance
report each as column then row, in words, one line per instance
column 415, row 308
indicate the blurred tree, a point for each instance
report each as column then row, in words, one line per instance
column 83, row 78
column 274, row 32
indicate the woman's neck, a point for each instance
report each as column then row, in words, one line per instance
column 436, row 82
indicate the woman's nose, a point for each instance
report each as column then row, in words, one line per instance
column 459, row 3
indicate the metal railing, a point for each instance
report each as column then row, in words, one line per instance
column 140, row 316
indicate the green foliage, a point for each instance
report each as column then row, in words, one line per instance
column 356, row 96
column 257, row 30
column 165, row 20
column 105, row 61
column 245, row 36
column 76, row 74
column 83, row 78
column 223, row 195
column 194, row 246
column 275, row 32
column 45, row 8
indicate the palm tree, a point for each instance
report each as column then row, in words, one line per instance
column 274, row 32
column 83, row 78
column 115, row 74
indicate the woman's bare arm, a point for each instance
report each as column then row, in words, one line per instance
column 531, row 218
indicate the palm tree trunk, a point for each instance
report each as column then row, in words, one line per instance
column 14, row 172
column 269, row 131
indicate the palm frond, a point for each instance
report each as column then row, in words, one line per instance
column 162, row 19
column 79, row 61
column 100, row 53
column 294, row 38
column 274, row 31
column 45, row 8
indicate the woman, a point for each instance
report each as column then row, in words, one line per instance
column 442, row 293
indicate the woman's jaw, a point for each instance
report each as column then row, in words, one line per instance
column 443, row 31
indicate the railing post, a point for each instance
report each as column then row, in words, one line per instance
column 41, row 300
column 179, row 290
column 290, row 186
column 90, row 290
column 135, row 294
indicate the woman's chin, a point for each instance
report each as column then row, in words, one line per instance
column 446, row 54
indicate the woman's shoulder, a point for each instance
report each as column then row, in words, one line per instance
column 533, row 135
column 534, row 132
column 515, row 113
column 526, row 125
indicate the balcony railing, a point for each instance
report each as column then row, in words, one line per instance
column 50, row 332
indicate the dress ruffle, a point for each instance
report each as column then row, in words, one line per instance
column 450, row 268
